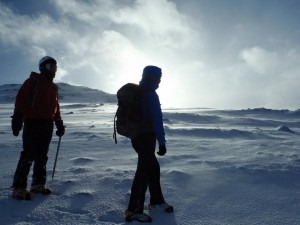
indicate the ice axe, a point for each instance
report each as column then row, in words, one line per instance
column 56, row 157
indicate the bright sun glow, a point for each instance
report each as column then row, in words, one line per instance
column 132, row 71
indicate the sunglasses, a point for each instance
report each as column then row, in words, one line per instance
column 51, row 67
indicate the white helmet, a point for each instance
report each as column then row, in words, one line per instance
column 44, row 60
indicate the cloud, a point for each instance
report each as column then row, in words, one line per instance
column 157, row 20
column 103, row 39
column 262, row 61
column 206, row 60
column 17, row 29
column 271, row 64
column 265, row 78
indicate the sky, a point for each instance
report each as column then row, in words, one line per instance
column 230, row 54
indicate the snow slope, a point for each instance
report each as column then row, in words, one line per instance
column 67, row 94
column 222, row 167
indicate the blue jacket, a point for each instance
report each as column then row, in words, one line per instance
column 152, row 109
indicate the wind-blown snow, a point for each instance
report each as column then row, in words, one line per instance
column 222, row 167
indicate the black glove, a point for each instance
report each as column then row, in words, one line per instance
column 16, row 122
column 162, row 150
column 60, row 128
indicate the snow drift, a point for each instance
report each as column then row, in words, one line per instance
column 222, row 166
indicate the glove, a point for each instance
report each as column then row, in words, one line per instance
column 60, row 128
column 162, row 150
column 16, row 122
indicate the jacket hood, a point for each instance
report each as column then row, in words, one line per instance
column 34, row 74
column 152, row 70
column 40, row 76
column 148, row 83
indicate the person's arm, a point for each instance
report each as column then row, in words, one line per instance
column 59, row 122
column 157, row 118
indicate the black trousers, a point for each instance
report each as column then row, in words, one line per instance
column 147, row 173
column 37, row 135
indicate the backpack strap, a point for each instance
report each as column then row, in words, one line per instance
column 115, row 129
column 34, row 91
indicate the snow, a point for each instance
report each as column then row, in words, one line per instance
column 222, row 167
column 67, row 94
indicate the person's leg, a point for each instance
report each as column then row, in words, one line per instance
column 153, row 171
column 139, row 185
column 39, row 171
column 45, row 130
column 156, row 196
column 26, row 158
column 147, row 173
column 22, row 171
column 138, row 190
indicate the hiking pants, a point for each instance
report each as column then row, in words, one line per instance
column 37, row 135
column 147, row 173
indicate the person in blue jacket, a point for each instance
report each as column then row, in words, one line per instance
column 148, row 168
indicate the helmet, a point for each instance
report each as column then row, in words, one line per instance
column 46, row 59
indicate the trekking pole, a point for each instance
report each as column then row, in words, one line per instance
column 56, row 157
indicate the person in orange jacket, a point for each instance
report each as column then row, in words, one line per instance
column 37, row 107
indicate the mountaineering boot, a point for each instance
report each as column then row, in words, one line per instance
column 20, row 193
column 162, row 207
column 40, row 188
column 141, row 217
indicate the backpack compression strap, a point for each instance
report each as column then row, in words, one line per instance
column 115, row 130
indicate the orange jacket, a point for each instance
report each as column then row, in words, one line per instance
column 38, row 98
